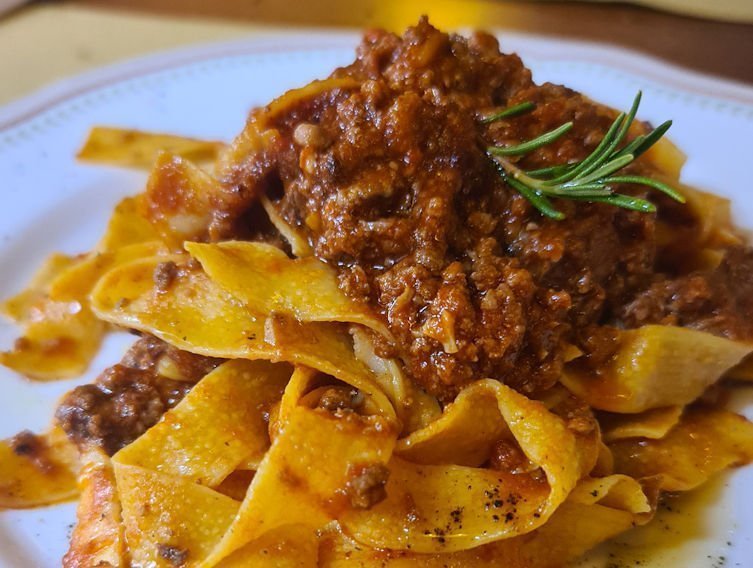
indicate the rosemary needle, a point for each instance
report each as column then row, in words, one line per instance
column 590, row 179
column 532, row 144
column 509, row 112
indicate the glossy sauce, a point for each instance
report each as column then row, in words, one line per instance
column 686, row 532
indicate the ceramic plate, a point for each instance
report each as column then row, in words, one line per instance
column 49, row 202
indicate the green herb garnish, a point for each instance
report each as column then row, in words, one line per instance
column 592, row 178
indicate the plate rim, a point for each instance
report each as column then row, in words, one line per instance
column 24, row 109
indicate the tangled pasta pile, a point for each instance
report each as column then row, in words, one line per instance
column 265, row 425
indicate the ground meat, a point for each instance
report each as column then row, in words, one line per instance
column 147, row 353
column 507, row 456
column 366, row 485
column 598, row 345
column 126, row 399
column 576, row 414
column 340, row 398
column 391, row 183
column 28, row 444
column 174, row 555
column 117, row 409
column 719, row 302
column 164, row 274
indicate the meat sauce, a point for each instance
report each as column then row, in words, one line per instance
column 390, row 183
column 129, row 398
column 34, row 447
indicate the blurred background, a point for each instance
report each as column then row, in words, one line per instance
column 44, row 41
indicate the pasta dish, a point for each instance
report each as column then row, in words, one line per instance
column 422, row 312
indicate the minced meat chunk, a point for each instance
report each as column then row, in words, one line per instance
column 366, row 485
column 128, row 399
column 148, row 352
column 719, row 302
column 33, row 447
column 123, row 404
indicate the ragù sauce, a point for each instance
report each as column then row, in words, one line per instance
column 386, row 175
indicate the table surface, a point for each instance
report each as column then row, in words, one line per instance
column 42, row 42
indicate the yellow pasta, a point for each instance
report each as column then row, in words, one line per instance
column 135, row 148
column 267, row 281
column 168, row 518
column 24, row 306
column 657, row 366
column 494, row 505
column 199, row 316
column 594, row 512
column 98, row 538
column 59, row 345
column 61, row 334
column 706, row 441
column 415, row 407
column 178, row 199
column 291, row 546
column 652, row 424
column 298, row 244
column 37, row 470
column 294, row 96
column 218, row 427
column 127, row 226
column 314, row 477
column 743, row 371
column 450, row 439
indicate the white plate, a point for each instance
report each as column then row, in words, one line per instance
column 49, row 202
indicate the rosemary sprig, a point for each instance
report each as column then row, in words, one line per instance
column 592, row 179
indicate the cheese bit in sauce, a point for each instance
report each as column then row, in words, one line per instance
column 591, row 179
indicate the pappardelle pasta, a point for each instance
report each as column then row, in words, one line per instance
column 390, row 324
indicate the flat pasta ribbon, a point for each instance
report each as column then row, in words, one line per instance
column 138, row 149
column 653, row 424
column 463, row 435
column 742, row 372
column 61, row 334
column 425, row 502
column 656, row 366
column 178, row 198
column 127, row 226
column 197, row 315
column 310, row 465
column 290, row 546
column 98, row 538
column 21, row 307
column 267, row 281
column 170, row 520
column 316, row 88
column 37, row 470
column 704, row 442
column 469, row 427
column 218, row 427
column 77, row 282
column 595, row 511
column 299, row 246
column 415, row 407
column 160, row 479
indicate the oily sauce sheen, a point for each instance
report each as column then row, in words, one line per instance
column 390, row 182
